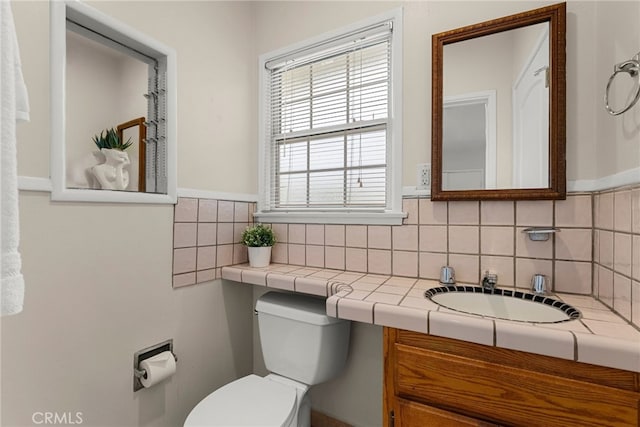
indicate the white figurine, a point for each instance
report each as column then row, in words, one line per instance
column 112, row 174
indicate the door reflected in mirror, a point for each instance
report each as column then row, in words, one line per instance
column 498, row 105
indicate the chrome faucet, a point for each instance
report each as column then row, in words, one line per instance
column 447, row 276
column 489, row 281
column 539, row 284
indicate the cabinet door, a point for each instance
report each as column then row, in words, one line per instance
column 413, row 414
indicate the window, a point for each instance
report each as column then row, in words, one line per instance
column 329, row 144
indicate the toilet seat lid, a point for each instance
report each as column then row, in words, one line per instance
column 249, row 401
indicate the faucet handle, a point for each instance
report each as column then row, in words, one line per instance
column 489, row 280
column 539, row 284
column 447, row 275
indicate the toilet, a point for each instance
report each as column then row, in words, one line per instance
column 302, row 346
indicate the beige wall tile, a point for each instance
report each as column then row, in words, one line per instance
column 525, row 247
column 334, row 235
column 315, row 234
column 238, row 229
column 241, row 254
column 622, row 211
column 622, row 253
column 635, row 210
column 225, row 211
column 315, row 256
column 604, row 211
column 206, row 258
column 241, row 212
column 574, row 244
column 356, row 236
column 184, row 234
column 605, row 286
column 502, row 266
column 281, row 232
column 575, row 211
column 224, row 255
column 186, row 210
column 405, row 237
column 279, row 253
column 356, row 259
column 531, row 213
column 410, row 207
column 379, row 261
column 225, row 233
column 573, row 277
column 432, row 213
column 207, row 210
column 497, row 212
column 297, row 254
column 334, row 257
column 379, row 237
column 405, row 264
column 464, row 239
column 635, row 265
column 184, row 260
column 622, row 295
column 205, row 275
column 433, row 238
column 207, row 233
column 466, row 267
column 606, row 248
column 186, row 279
column 497, row 240
column 464, row 213
column 297, row 233
column 635, row 303
column 430, row 264
column 526, row 268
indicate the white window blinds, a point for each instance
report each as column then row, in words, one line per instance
column 327, row 124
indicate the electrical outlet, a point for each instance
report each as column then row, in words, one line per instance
column 423, row 175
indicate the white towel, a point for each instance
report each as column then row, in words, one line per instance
column 15, row 106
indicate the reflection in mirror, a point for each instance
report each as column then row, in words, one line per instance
column 513, row 66
column 113, row 114
column 498, row 104
column 113, row 84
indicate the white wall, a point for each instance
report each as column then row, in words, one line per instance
column 98, row 276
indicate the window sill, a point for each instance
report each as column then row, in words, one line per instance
column 368, row 218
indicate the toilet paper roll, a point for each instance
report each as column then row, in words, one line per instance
column 158, row 368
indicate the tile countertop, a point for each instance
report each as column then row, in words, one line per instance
column 600, row 337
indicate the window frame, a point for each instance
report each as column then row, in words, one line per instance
column 392, row 214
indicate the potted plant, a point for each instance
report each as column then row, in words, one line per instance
column 259, row 240
column 112, row 174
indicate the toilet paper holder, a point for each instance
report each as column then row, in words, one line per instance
column 144, row 354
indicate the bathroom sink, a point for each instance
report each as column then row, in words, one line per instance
column 503, row 304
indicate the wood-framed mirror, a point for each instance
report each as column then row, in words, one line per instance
column 498, row 105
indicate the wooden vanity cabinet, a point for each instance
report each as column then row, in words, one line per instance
column 434, row 381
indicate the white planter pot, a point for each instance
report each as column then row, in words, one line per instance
column 260, row 256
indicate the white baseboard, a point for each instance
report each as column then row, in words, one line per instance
column 620, row 179
column 219, row 195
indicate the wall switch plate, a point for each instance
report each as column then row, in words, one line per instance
column 423, row 175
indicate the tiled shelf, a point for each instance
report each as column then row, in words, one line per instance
column 600, row 337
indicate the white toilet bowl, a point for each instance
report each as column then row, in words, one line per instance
column 250, row 401
column 302, row 346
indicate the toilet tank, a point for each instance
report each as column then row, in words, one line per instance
column 299, row 341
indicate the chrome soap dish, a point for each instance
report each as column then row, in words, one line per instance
column 540, row 234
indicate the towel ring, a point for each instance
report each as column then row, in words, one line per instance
column 632, row 66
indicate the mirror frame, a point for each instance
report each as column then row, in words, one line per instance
column 119, row 33
column 555, row 15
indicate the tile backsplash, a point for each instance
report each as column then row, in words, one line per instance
column 206, row 236
column 597, row 251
